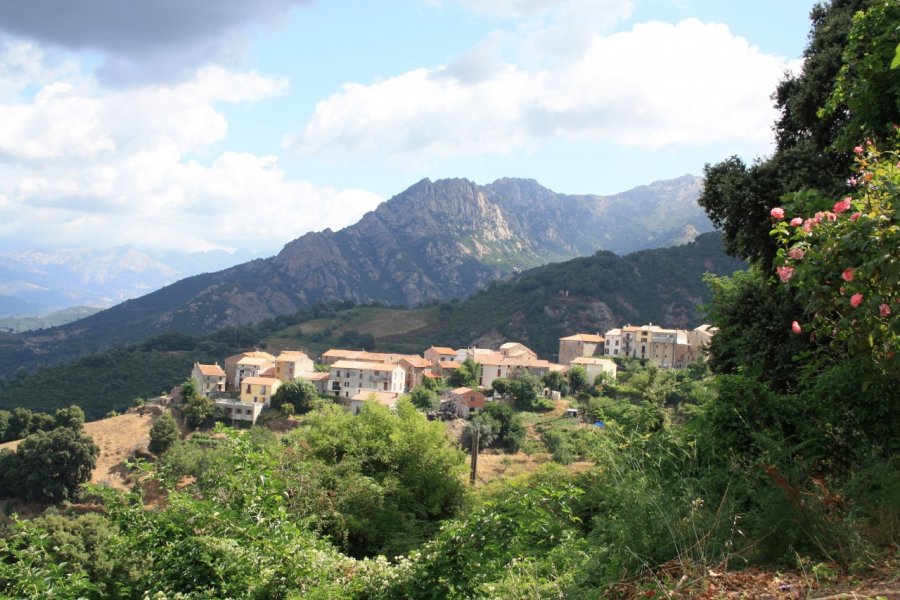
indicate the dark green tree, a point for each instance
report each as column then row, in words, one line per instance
column 508, row 425
column 424, row 398
column 577, row 378
column 738, row 197
column 55, row 464
column 72, row 417
column 467, row 375
column 298, row 392
column 556, row 381
column 188, row 390
column 199, row 411
column 524, row 390
column 163, row 434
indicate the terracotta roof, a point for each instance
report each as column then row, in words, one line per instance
column 290, row 355
column 450, row 364
column 364, row 366
column 260, row 380
column 443, row 350
column 385, row 398
column 252, row 360
column 590, row 360
column 526, row 362
column 584, row 337
column 417, row 362
column 270, row 372
column 313, row 376
column 365, row 356
column 461, row 390
column 210, row 370
column 489, row 359
column 431, row 375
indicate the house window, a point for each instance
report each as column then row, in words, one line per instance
column 248, row 388
column 498, row 372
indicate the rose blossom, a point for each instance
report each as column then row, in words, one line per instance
column 856, row 300
column 795, row 327
column 842, row 205
column 785, row 273
column 884, row 310
column 796, row 222
column 847, row 275
column 796, row 253
column 777, row 213
column 858, row 150
column 855, row 216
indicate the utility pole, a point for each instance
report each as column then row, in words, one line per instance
column 475, row 435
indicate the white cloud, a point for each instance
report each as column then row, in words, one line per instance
column 99, row 167
column 655, row 85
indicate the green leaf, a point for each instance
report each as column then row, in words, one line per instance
column 896, row 62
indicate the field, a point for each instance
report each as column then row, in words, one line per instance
column 392, row 329
column 116, row 437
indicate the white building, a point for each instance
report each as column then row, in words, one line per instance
column 349, row 378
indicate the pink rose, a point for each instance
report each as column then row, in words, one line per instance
column 884, row 310
column 856, row 300
column 855, row 216
column 830, row 215
column 785, row 273
column 842, row 205
column 807, row 227
column 796, row 253
column 851, row 182
column 858, row 150
column 795, row 327
column 796, row 222
column 847, row 275
column 777, row 213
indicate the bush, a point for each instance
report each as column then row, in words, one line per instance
column 163, row 434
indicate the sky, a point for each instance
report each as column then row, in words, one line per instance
column 242, row 124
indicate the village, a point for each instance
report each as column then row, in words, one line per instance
column 244, row 385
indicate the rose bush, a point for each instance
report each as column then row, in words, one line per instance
column 844, row 263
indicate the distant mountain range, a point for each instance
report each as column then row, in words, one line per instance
column 437, row 240
column 36, row 282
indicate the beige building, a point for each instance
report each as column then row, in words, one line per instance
column 388, row 399
column 439, row 354
column 415, row 367
column 318, row 379
column 210, row 379
column 580, row 344
column 517, row 350
column 231, row 365
column 666, row 348
column 290, row 363
column 594, row 366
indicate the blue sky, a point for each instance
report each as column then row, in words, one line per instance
column 241, row 125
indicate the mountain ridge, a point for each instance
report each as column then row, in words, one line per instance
column 437, row 240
